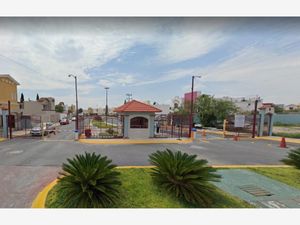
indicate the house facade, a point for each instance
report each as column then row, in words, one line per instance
column 8, row 92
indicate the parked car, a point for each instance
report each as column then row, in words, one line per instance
column 64, row 121
column 47, row 129
column 198, row 126
column 73, row 118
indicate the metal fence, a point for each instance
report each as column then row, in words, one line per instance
column 103, row 127
column 171, row 126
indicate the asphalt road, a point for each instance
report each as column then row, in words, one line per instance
column 26, row 165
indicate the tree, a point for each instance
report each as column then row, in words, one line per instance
column 278, row 109
column 59, row 108
column 37, row 97
column 184, row 175
column 22, row 98
column 211, row 110
column 80, row 110
column 90, row 110
column 89, row 181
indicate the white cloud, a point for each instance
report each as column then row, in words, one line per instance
column 190, row 39
column 253, row 71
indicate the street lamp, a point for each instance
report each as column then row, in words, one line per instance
column 106, row 106
column 192, row 106
column 75, row 77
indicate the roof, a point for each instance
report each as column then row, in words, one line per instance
column 136, row 106
column 10, row 78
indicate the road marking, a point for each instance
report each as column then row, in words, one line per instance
column 15, row 152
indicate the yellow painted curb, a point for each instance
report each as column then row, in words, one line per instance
column 134, row 141
column 40, row 200
column 278, row 139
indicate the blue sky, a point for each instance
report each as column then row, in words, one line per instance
column 152, row 58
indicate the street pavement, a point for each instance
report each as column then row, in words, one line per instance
column 29, row 164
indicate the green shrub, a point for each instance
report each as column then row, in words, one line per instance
column 89, row 181
column 184, row 175
column 110, row 131
column 293, row 158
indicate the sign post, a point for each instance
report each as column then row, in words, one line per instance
column 239, row 122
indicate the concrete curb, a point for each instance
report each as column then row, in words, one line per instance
column 278, row 139
column 134, row 141
column 40, row 200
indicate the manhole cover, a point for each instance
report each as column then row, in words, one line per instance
column 254, row 190
column 15, row 152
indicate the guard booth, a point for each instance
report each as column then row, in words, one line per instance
column 266, row 115
column 138, row 119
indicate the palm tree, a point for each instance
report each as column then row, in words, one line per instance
column 184, row 175
column 89, row 181
column 293, row 158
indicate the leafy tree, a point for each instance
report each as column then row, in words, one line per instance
column 90, row 110
column 184, row 176
column 22, row 98
column 89, row 181
column 59, row 108
column 278, row 109
column 211, row 110
column 293, row 158
column 37, row 97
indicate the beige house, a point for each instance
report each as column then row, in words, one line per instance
column 43, row 108
column 8, row 92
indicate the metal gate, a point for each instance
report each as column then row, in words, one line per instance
column 171, row 126
column 103, row 127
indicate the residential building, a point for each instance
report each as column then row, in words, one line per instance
column 165, row 108
column 8, row 92
column 244, row 104
column 290, row 107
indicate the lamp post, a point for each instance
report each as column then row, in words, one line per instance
column 192, row 106
column 254, row 117
column 75, row 77
column 106, row 106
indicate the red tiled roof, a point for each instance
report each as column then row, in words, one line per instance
column 136, row 106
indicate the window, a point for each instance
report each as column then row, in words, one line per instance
column 139, row 122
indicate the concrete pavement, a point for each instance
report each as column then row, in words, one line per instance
column 28, row 164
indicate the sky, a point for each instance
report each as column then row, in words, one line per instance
column 152, row 58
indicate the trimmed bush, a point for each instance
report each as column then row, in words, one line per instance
column 184, row 175
column 89, row 181
column 293, row 158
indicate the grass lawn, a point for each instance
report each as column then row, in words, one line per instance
column 138, row 191
column 290, row 176
column 287, row 135
column 101, row 124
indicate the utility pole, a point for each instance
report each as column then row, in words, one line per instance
column 9, row 121
column 106, row 106
column 192, row 107
column 254, row 118
column 76, row 124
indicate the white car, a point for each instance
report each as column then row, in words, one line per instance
column 73, row 118
column 198, row 125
